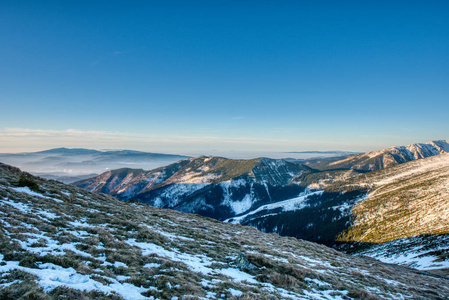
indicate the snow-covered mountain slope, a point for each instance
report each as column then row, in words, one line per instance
column 211, row 186
column 424, row 252
column 389, row 157
column 406, row 200
column 60, row 241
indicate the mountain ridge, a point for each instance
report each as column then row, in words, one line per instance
column 247, row 182
column 375, row 160
column 320, row 206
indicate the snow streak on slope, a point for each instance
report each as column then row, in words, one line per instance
column 424, row 252
column 286, row 205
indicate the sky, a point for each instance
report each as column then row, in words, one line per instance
column 210, row 77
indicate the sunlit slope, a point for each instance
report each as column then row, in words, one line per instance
column 389, row 157
column 406, row 200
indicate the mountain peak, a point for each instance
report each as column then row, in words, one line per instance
column 388, row 157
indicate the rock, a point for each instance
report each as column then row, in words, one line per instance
column 243, row 264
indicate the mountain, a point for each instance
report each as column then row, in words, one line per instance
column 407, row 200
column 58, row 241
column 69, row 165
column 283, row 197
column 354, row 211
column 385, row 158
column 211, row 186
column 271, row 195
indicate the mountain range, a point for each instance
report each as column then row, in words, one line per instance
column 59, row 241
column 69, row 165
column 342, row 203
column 385, row 158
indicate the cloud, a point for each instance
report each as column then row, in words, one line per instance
column 26, row 138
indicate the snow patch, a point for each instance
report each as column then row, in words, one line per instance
column 286, row 205
column 52, row 276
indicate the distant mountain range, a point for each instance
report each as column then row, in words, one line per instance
column 68, row 165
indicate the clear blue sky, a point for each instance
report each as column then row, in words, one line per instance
column 199, row 76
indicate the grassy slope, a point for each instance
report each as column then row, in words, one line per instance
column 107, row 245
column 406, row 200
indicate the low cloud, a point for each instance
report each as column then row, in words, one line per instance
column 25, row 139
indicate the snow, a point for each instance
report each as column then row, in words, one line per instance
column 171, row 236
column 286, row 205
column 416, row 252
column 241, row 206
column 152, row 265
column 226, row 185
column 345, row 208
column 47, row 214
column 79, row 233
column 24, row 208
column 118, row 264
column 17, row 205
column 174, row 193
column 81, row 223
column 316, row 281
column 327, row 294
column 27, row 190
column 235, row 292
column 197, row 177
column 414, row 260
column 52, row 276
column 281, row 259
column 198, row 263
column 419, row 167
column 238, row 275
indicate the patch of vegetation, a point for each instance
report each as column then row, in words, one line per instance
column 27, row 180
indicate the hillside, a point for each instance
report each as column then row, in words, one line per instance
column 293, row 200
column 211, row 186
column 385, row 158
column 60, row 241
column 406, row 200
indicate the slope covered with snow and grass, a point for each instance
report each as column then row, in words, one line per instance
column 62, row 241
column 407, row 200
column 424, row 252
column 388, row 157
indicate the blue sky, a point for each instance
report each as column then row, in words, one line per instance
column 208, row 76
